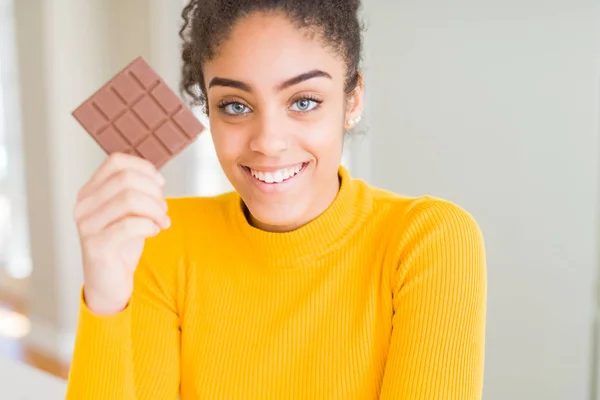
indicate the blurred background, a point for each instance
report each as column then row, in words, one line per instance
column 492, row 104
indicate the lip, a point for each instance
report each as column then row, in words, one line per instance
column 271, row 168
column 274, row 187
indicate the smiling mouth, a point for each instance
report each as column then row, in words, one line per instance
column 276, row 176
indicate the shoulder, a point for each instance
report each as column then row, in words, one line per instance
column 427, row 214
column 192, row 216
column 196, row 223
column 416, row 216
column 442, row 240
column 185, row 208
column 450, row 223
column 428, row 231
column 193, row 221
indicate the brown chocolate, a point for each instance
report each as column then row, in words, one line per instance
column 137, row 113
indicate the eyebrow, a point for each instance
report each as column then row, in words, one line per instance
column 316, row 73
column 216, row 81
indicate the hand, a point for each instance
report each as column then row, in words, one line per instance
column 116, row 210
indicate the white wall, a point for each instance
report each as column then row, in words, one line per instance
column 494, row 105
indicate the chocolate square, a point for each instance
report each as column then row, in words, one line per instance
column 137, row 113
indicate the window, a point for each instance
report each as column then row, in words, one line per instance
column 210, row 179
column 14, row 239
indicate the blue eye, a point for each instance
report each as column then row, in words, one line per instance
column 235, row 108
column 304, row 105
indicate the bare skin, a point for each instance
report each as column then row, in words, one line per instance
column 272, row 122
column 116, row 210
column 277, row 103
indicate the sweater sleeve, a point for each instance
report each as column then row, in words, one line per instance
column 439, row 299
column 132, row 355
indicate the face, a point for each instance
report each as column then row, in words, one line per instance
column 278, row 112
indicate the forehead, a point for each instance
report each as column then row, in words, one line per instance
column 268, row 49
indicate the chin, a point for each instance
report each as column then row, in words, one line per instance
column 273, row 218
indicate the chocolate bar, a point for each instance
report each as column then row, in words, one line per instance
column 137, row 113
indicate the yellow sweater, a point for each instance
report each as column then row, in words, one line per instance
column 380, row 297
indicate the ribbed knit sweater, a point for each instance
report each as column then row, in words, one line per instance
column 380, row 297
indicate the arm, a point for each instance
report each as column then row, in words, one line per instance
column 132, row 355
column 439, row 298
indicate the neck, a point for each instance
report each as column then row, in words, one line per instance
column 318, row 207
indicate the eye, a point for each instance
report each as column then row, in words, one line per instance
column 304, row 105
column 234, row 108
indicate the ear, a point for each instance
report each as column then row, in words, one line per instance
column 354, row 107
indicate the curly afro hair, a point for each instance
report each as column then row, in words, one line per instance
column 207, row 23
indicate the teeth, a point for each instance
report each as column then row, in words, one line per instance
column 276, row 176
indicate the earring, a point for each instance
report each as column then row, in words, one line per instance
column 353, row 121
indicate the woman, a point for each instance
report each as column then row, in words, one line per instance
column 302, row 284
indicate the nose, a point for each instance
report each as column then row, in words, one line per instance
column 268, row 136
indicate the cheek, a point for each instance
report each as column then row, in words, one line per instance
column 229, row 140
column 324, row 135
column 322, row 138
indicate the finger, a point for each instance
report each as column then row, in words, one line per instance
column 121, row 231
column 118, row 162
column 115, row 184
column 127, row 203
column 131, row 228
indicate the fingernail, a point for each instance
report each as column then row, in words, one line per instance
column 167, row 222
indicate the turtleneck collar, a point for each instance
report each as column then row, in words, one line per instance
column 343, row 217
